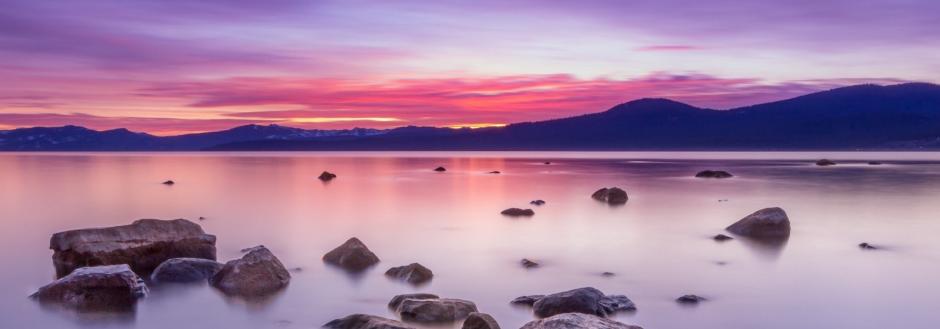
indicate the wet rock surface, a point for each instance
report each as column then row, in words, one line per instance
column 396, row 301
column 767, row 223
column 184, row 270
column 480, row 321
column 582, row 300
column 96, row 288
column 432, row 310
column 576, row 320
column 611, row 195
column 258, row 273
column 365, row 321
column 413, row 273
column 518, row 212
column 352, row 255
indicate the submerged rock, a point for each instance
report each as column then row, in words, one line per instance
column 518, row 212
column 608, row 274
column 528, row 263
column 185, row 270
column 764, row 223
column 867, row 246
column 721, row 237
column 440, row 169
column 398, row 299
column 365, row 321
column 256, row 274
column 168, row 182
column 582, row 300
column 874, row 163
column 495, row 172
column 713, row 174
column 143, row 245
column 576, row 320
column 612, row 195
column 413, row 273
column 352, row 255
column 478, row 320
column 690, row 299
column 326, row 176
column 537, row 202
column 435, row 310
column 825, row 162
column 96, row 288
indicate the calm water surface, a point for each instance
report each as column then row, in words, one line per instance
column 658, row 244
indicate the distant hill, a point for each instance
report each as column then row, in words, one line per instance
column 902, row 117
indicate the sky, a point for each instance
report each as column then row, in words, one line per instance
column 175, row 66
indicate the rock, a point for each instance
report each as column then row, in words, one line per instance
column 495, row 172
column 185, row 270
column 713, row 174
column 478, row 320
column 764, row 223
column 413, row 273
column 721, row 237
column 581, row 300
column 825, row 162
column 96, row 288
column 365, row 321
column 440, row 169
column 528, row 263
column 143, row 245
column 526, row 300
column 398, row 299
column 576, row 320
column 867, row 246
column 352, row 255
column 874, row 163
column 326, row 176
column 257, row 273
column 547, row 162
column 537, row 202
column 690, row 299
column 202, row 218
column 608, row 274
column 517, row 212
column 435, row 310
column 168, row 182
column 611, row 195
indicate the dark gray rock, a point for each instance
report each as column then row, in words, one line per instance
column 495, row 172
column 96, row 288
column 825, row 162
column 478, row 320
column 537, row 202
column 575, row 321
column 326, row 176
column 365, row 321
column 185, row 270
column 612, row 195
column 721, row 237
column 528, row 263
column 581, row 300
column 690, row 299
column 867, row 246
column 413, row 273
column 352, row 255
column 517, row 212
column 440, row 169
column 764, row 223
column 143, row 245
column 168, row 182
column 526, row 300
column 396, row 301
column 608, row 274
column 874, row 163
column 435, row 310
column 258, row 273
column 713, row 174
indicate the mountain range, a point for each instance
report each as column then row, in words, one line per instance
column 862, row 117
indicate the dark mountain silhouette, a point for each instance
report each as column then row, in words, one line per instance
column 904, row 116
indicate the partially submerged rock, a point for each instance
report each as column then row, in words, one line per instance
column 874, row 163
column 608, row 274
column 767, row 223
column 582, row 300
column 495, row 172
column 435, row 310
column 537, row 202
column 721, row 237
column 398, row 299
column 96, row 288
column 413, row 273
column 185, row 270
column 518, row 212
column 690, row 299
column 526, row 300
column 867, row 246
column 143, row 245
column 713, row 174
column 352, row 255
column 478, row 320
column 576, row 320
column 258, row 273
column 612, row 195
column 440, row 169
column 365, row 321
column 326, row 176
column 168, row 182
column 527, row 263
column 825, row 162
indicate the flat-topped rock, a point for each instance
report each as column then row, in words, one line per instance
column 184, row 270
column 478, row 320
column 518, row 212
column 582, row 300
column 143, row 245
column 721, row 237
column 435, row 310
column 611, row 195
column 326, row 176
column 690, row 299
column 767, row 223
column 352, row 255
column 95, row 288
column 713, row 174
column 575, row 321
column 413, row 273
column 537, row 202
column 396, row 301
column 258, row 273
column 365, row 321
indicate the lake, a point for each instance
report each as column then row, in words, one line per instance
column 658, row 244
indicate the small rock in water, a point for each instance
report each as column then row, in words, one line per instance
column 413, row 273
column 612, row 195
column 169, row 182
column 326, row 176
column 537, row 202
column 478, row 320
column 202, row 218
column 874, row 163
column 608, row 274
column 721, row 263
column 256, row 274
column 526, row 300
column 825, row 162
column 352, row 255
column 722, row 200
column 713, row 174
column 365, row 321
column 528, row 263
column 582, row 300
column 768, row 223
column 867, row 246
column 547, row 162
column 690, row 299
column 517, row 212
column 495, row 172
column 185, row 270
column 96, row 288
column 297, row 269
column 721, row 237
column 576, row 320
column 440, row 169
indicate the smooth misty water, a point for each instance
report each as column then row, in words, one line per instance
column 658, row 243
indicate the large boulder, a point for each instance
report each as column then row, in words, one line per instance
column 478, row 320
column 353, row 255
column 185, row 270
column 96, row 288
column 419, row 308
column 143, row 245
column 365, row 321
column 612, row 195
column 713, row 174
column 413, row 273
column 582, row 300
column 256, row 274
column 577, row 320
column 765, row 223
